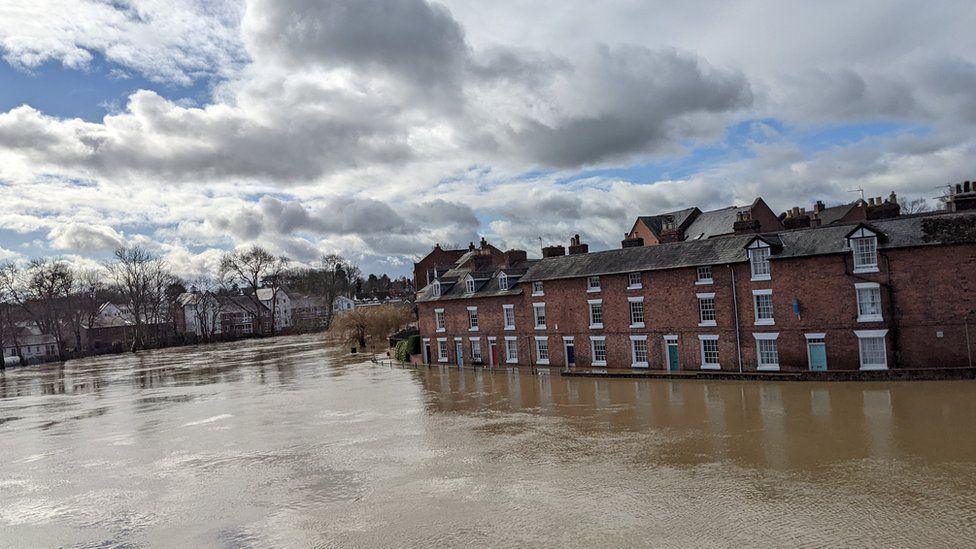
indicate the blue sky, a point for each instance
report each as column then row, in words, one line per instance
column 232, row 128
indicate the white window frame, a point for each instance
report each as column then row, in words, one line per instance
column 469, row 286
column 630, row 311
column 442, row 349
column 755, row 308
column 874, row 287
column 475, row 343
column 701, row 317
column 633, row 352
column 590, row 287
column 855, row 238
column 503, row 281
column 538, row 289
column 702, row 338
column 758, row 247
column 631, row 284
column 511, row 344
column 440, row 321
column 593, row 360
column 472, row 319
column 766, row 366
column 538, row 353
column 819, row 338
column 436, row 288
column 872, row 334
column 505, row 309
column 590, row 303
column 535, row 315
column 699, row 271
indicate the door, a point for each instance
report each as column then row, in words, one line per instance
column 426, row 352
column 570, row 354
column 672, row 356
column 817, row 349
column 459, row 352
column 491, row 353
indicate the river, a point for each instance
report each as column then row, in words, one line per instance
column 291, row 442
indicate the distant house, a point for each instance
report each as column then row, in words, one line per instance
column 342, row 303
column 859, row 210
column 279, row 305
column 239, row 316
column 439, row 261
column 32, row 345
column 694, row 224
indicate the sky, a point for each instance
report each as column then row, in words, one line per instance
column 377, row 128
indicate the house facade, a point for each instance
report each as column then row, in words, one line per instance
column 876, row 295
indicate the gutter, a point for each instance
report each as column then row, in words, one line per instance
column 735, row 307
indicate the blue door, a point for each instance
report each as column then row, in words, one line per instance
column 818, row 355
column 570, row 354
column 459, row 351
column 672, row 357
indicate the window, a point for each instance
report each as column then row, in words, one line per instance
column 469, row 286
column 634, row 281
column 767, row 355
column 442, row 349
column 476, row 349
column 509, row 315
column 759, row 261
column 636, row 312
column 704, row 275
column 537, row 288
column 503, row 281
column 542, row 350
column 763, row 307
column 439, row 319
column 596, row 313
column 868, row 302
column 706, row 309
column 638, row 348
column 539, row 313
column 598, row 345
column 709, row 352
column 593, row 284
column 511, row 350
column 473, row 319
column 872, row 349
column 864, row 247
column 436, row 289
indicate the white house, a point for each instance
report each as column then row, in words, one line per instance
column 34, row 345
column 279, row 302
column 342, row 303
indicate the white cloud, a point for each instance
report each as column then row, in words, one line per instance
column 85, row 238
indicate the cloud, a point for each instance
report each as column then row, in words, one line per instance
column 84, row 238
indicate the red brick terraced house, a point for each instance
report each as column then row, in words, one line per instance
column 885, row 294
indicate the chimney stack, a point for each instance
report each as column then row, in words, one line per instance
column 819, row 206
column 555, row 250
column 514, row 257
column 628, row 242
column 576, row 247
column 744, row 223
column 470, row 246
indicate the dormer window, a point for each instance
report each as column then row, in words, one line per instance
column 503, row 281
column 864, row 247
column 704, row 275
column 759, row 260
column 537, row 288
column 469, row 285
column 436, row 289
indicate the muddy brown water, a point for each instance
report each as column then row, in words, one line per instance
column 290, row 442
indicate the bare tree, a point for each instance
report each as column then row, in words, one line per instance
column 339, row 277
column 41, row 290
column 252, row 268
column 87, row 295
column 916, row 205
column 204, row 307
column 364, row 326
column 139, row 276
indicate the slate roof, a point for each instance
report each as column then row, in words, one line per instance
column 714, row 223
column 656, row 222
column 909, row 231
column 835, row 213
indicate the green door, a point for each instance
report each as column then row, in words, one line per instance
column 672, row 357
column 818, row 355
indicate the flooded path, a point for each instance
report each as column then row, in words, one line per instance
column 289, row 442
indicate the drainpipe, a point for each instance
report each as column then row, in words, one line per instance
column 969, row 346
column 735, row 307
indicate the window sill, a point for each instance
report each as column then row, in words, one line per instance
column 761, row 278
column 540, row 294
column 711, row 367
column 870, row 318
column 442, row 360
column 704, row 282
column 592, row 290
column 864, row 270
column 637, row 325
column 768, row 368
column 707, row 323
column 599, row 363
column 874, row 367
column 637, row 287
column 543, row 362
column 639, row 365
column 440, row 330
column 596, row 326
column 509, row 328
column 764, row 323
column 510, row 361
column 543, row 327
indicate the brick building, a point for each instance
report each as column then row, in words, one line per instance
column 439, row 261
column 888, row 293
column 694, row 224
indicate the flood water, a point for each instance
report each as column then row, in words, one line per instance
column 289, row 442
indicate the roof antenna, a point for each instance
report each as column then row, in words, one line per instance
column 858, row 190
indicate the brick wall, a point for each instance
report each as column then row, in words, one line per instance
column 925, row 292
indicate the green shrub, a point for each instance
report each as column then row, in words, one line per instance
column 413, row 344
column 402, row 351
